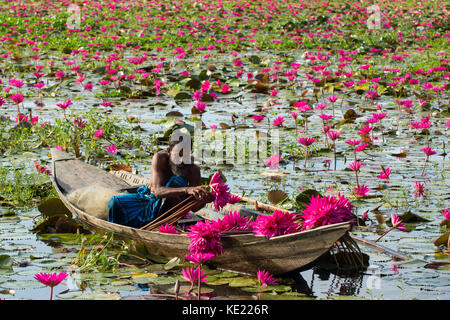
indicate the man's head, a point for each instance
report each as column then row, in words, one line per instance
column 180, row 150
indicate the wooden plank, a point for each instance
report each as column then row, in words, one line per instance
column 372, row 244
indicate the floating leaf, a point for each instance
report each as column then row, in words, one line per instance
column 194, row 84
column 254, row 59
column 350, row 114
column 174, row 114
column 217, row 281
column 304, row 198
column 6, row 261
column 224, row 126
column 442, row 240
column 268, row 288
column 243, row 282
column 174, row 262
column 284, row 296
column 183, row 96
column 437, row 265
column 53, row 206
column 276, row 196
column 346, row 298
column 409, row 217
column 399, row 155
column 143, row 278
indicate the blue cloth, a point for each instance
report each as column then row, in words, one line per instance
column 138, row 209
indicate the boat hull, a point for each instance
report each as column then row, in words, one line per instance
column 245, row 253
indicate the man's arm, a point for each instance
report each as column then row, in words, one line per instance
column 157, row 182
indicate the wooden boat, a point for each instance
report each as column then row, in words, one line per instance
column 246, row 253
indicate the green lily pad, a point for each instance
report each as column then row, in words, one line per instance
column 6, row 261
column 346, row 298
column 304, row 198
column 23, row 284
column 96, row 296
column 183, row 96
column 53, row 206
column 184, row 289
column 174, row 262
column 119, row 282
column 268, row 288
column 162, row 280
column 116, row 288
column 215, row 281
column 287, row 296
column 143, row 278
column 243, row 282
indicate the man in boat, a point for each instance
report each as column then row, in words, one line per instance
column 173, row 177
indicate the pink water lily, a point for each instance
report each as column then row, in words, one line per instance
column 65, row 105
column 428, row 152
column 200, row 258
column 205, row 238
column 98, row 134
column 273, row 161
column 50, row 280
column 306, row 141
column 258, row 117
column 232, row 221
column 361, row 190
column 384, row 174
column 220, row 191
column 278, row 121
column 167, row 228
column 333, row 135
column 279, row 223
column 446, row 213
column 419, row 189
column 397, row 223
column 327, row 210
column 111, row 148
column 265, row 278
column 194, row 275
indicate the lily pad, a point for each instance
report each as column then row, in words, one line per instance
column 304, row 198
column 442, row 240
column 143, row 278
column 23, row 284
column 94, row 296
column 183, row 96
column 284, row 296
column 6, row 261
column 243, row 282
column 268, row 288
column 162, row 280
column 345, row 298
column 174, row 262
column 276, row 196
column 53, row 206
column 215, row 281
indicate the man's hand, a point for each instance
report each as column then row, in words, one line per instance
column 200, row 193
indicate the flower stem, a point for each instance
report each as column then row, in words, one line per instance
column 425, row 163
column 198, row 283
column 306, row 155
column 384, row 233
column 334, row 154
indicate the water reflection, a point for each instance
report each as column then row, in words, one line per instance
column 328, row 282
